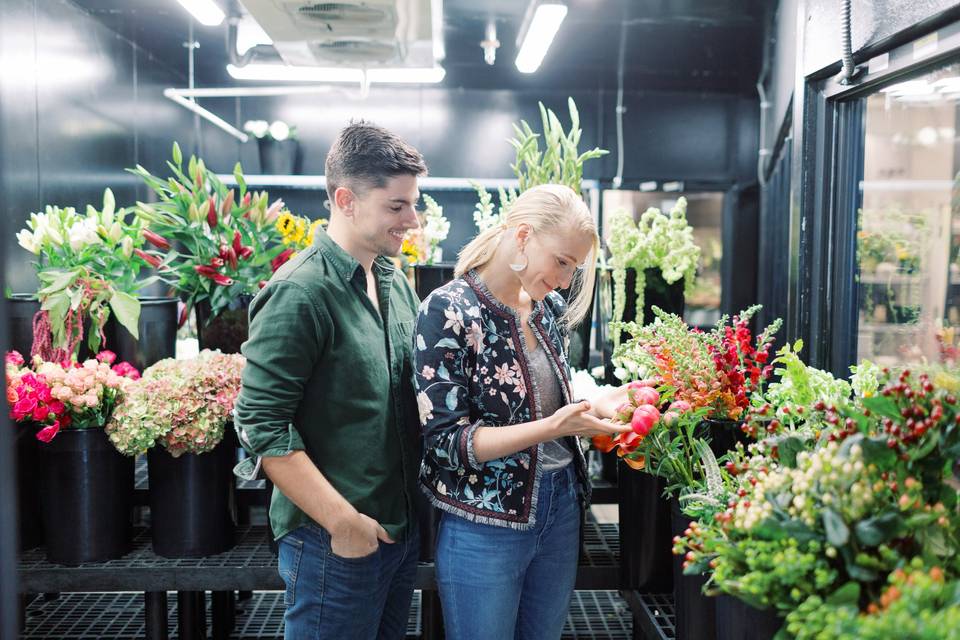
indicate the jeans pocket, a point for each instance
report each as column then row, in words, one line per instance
column 288, row 565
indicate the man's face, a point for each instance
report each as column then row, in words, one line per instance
column 384, row 215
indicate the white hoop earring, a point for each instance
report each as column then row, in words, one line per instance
column 520, row 266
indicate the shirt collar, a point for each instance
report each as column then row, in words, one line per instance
column 346, row 265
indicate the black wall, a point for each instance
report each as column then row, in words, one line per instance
column 78, row 104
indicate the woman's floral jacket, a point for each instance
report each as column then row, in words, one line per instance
column 470, row 371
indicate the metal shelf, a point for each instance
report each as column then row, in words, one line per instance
column 430, row 183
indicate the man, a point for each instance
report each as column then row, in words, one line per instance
column 327, row 404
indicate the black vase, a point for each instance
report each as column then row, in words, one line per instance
column 87, row 497
column 695, row 612
column 226, row 331
column 192, row 501
column 279, row 157
column 29, row 464
column 724, row 435
column 21, row 307
column 579, row 356
column 645, row 537
column 427, row 277
column 158, row 334
column 736, row 620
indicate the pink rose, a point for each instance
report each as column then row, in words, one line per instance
column 644, row 417
column 107, row 356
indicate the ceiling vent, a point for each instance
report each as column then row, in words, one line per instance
column 368, row 33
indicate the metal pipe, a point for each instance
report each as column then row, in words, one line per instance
column 205, row 114
column 849, row 69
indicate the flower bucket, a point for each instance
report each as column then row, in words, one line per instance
column 29, row 465
column 645, row 538
column 192, row 501
column 695, row 612
column 21, row 307
column 724, row 435
column 736, row 620
column 87, row 497
column 158, row 334
column 279, row 157
column 226, row 331
column 427, row 277
column 580, row 335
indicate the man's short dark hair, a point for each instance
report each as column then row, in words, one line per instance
column 365, row 156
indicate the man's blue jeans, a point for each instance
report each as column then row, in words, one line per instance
column 497, row 583
column 339, row 598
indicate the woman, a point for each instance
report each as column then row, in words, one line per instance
column 502, row 457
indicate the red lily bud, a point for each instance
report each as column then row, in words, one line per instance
column 246, row 200
column 222, row 280
column 199, row 180
column 156, row 240
column 212, row 212
column 245, row 252
column 182, row 319
column 216, row 263
column 237, row 242
column 205, row 270
column 227, row 205
column 231, row 258
column 278, row 262
column 153, row 261
column 223, row 251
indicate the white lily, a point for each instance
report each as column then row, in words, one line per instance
column 28, row 241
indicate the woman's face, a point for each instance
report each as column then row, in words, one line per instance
column 554, row 258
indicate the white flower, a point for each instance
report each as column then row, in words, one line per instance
column 28, row 241
column 425, row 407
column 475, row 337
column 84, row 234
column 428, row 372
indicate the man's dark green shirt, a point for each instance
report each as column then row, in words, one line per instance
column 329, row 373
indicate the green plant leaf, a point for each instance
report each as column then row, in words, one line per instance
column 838, row 534
column 788, row 448
column 879, row 529
column 848, row 594
column 876, row 451
column 882, row 405
column 127, row 310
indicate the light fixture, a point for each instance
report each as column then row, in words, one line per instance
column 205, row 11
column 250, row 34
column 540, row 25
column 673, row 186
column 287, row 73
column 648, row 186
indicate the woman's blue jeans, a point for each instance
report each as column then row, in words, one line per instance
column 497, row 583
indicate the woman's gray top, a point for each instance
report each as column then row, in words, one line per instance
column 556, row 454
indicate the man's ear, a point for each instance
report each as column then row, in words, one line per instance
column 345, row 200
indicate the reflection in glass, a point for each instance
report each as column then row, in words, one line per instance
column 908, row 228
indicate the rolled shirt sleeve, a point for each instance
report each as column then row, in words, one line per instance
column 286, row 337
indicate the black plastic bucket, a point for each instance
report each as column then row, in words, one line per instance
column 158, row 334
column 736, row 620
column 192, row 501
column 87, row 497
column 695, row 612
column 645, row 538
column 21, row 307
column 29, row 464
column 228, row 330
column 427, row 277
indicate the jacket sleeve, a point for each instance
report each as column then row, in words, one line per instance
column 286, row 333
column 443, row 366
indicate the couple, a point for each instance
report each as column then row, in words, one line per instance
column 339, row 363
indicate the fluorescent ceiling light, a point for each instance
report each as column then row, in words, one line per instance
column 286, row 73
column 205, row 11
column 546, row 20
column 673, row 186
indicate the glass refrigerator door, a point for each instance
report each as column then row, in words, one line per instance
column 908, row 228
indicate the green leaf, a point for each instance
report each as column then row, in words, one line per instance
column 59, row 281
column 883, row 406
column 838, row 534
column 787, row 449
column 875, row 531
column 848, row 594
column 127, row 310
column 929, row 444
column 876, row 451
column 860, row 573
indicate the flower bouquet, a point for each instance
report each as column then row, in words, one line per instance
column 211, row 244
column 658, row 241
column 88, row 266
column 820, row 530
column 183, row 405
column 422, row 245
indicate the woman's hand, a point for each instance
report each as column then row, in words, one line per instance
column 604, row 404
column 576, row 420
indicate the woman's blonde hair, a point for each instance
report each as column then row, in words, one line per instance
column 547, row 208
